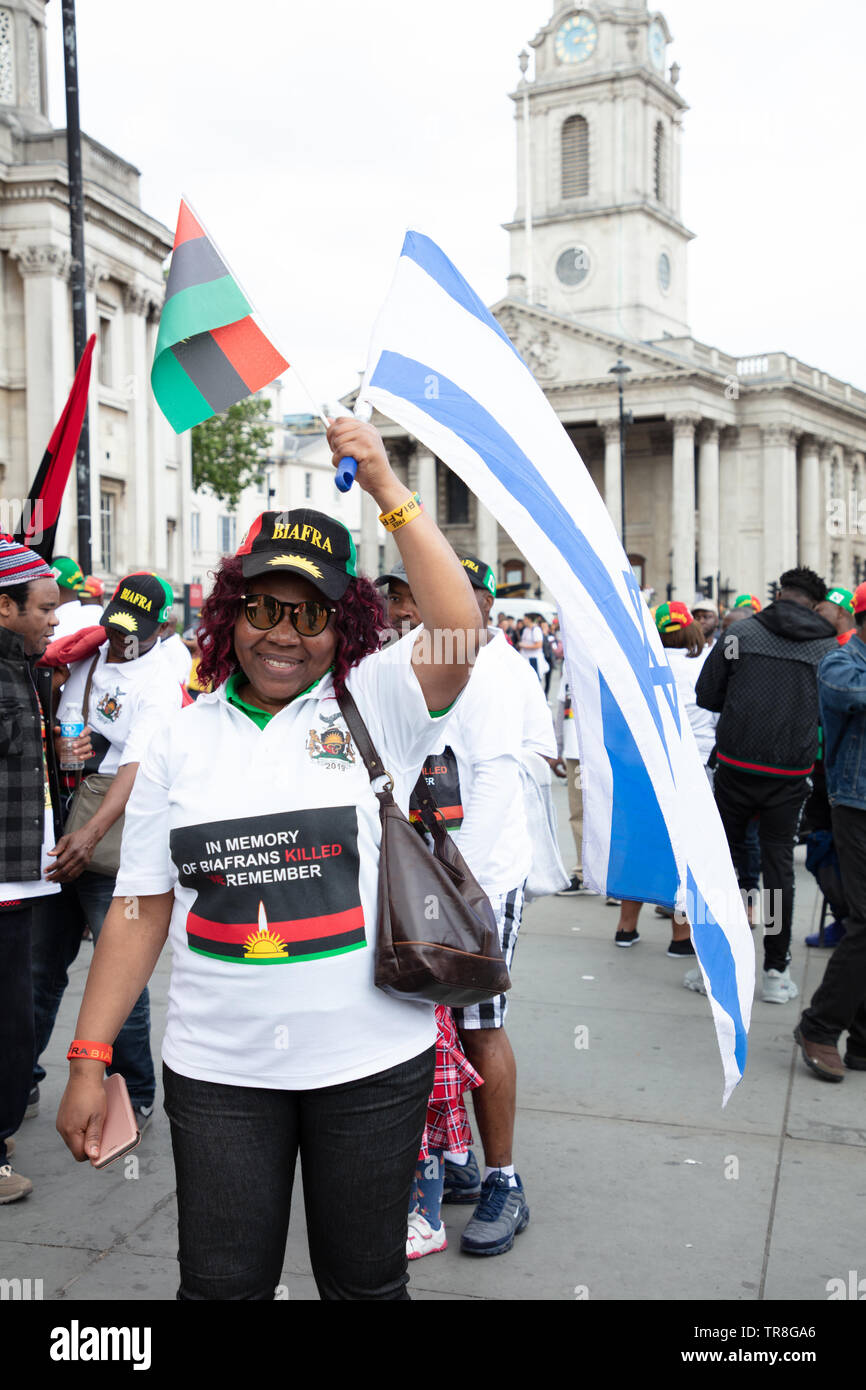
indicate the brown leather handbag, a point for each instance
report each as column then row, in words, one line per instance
column 436, row 933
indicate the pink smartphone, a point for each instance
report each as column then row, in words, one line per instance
column 120, row 1133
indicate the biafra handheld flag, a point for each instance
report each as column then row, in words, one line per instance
column 41, row 509
column 210, row 352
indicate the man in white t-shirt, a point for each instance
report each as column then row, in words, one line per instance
column 475, row 779
column 131, row 692
column 532, row 646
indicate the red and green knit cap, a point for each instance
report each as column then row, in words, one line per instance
column 18, row 565
column 843, row 598
column 139, row 604
column 748, row 601
column 670, row 617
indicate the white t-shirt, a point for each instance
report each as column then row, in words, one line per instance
column 127, row 699
column 534, row 634
column 686, row 670
column 75, row 615
column 178, row 656
column 475, row 772
column 269, row 839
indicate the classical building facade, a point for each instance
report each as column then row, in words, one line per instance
column 140, row 470
column 735, row 468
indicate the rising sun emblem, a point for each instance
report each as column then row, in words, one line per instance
column 298, row 562
column 264, row 944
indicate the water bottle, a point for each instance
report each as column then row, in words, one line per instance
column 71, row 727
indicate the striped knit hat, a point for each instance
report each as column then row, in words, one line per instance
column 748, row 601
column 18, row 565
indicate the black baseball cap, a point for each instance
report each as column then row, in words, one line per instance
column 139, row 604
column 301, row 542
column 481, row 576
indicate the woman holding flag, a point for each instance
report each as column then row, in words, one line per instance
column 252, row 838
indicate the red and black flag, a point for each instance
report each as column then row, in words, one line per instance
column 41, row 510
column 210, row 352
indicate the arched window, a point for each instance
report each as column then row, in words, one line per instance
column 575, row 157
column 660, row 161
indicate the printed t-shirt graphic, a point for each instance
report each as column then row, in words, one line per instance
column 442, row 777
column 275, row 889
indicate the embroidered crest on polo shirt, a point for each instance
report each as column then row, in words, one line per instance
column 299, row 562
column 109, row 706
column 331, row 745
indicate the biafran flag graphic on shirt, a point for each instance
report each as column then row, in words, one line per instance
column 273, row 890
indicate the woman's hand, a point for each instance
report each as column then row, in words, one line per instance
column 82, row 1111
column 350, row 438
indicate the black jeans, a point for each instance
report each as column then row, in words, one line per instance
column 840, row 1000
column 57, row 926
column 778, row 803
column 235, row 1149
column 16, row 1019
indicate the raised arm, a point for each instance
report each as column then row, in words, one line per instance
column 453, row 626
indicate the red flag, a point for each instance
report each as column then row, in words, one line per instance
column 41, row 511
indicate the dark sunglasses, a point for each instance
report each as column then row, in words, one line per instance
column 309, row 618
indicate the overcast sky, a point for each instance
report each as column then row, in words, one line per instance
column 309, row 137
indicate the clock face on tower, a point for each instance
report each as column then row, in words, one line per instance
column 657, row 45
column 573, row 265
column 576, row 39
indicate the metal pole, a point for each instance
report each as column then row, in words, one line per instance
column 79, row 302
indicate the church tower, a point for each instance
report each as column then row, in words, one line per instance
column 602, row 238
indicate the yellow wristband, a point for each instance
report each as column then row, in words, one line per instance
column 412, row 507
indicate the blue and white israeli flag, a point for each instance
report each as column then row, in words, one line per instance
column 443, row 369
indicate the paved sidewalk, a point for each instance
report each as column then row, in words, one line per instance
column 640, row 1185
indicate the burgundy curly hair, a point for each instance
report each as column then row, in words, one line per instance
column 359, row 621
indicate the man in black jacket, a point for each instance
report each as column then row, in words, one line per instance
column 761, row 679
column 28, row 597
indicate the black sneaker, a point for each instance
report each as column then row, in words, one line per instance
column 681, row 948
column 627, row 938
column 462, row 1182
column 32, row 1104
column 501, row 1214
column 855, row 1061
column 573, row 888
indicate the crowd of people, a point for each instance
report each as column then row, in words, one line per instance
column 206, row 789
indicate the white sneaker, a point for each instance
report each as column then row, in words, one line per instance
column 778, row 987
column 422, row 1239
column 693, row 979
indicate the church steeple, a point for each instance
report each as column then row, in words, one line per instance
column 23, row 84
column 606, row 238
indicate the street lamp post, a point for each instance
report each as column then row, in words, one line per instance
column 626, row 418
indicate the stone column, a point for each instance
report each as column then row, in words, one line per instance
column 729, row 517
column 779, row 466
column 813, row 513
column 486, row 537
column 612, row 473
column 708, row 503
column 368, row 557
column 683, row 507
column 47, row 363
column 425, row 481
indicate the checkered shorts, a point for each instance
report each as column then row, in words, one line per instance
column 508, row 909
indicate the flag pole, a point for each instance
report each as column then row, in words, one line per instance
column 77, row 278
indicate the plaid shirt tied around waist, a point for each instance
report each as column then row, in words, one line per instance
column 22, row 771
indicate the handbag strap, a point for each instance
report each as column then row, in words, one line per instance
column 375, row 768
column 363, row 742
column 85, row 709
